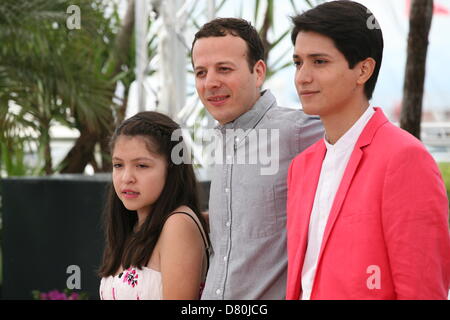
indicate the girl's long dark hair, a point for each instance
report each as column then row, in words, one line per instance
column 122, row 245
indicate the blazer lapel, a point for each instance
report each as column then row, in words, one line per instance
column 311, row 177
column 350, row 171
column 364, row 139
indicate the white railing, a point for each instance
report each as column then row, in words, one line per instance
column 436, row 133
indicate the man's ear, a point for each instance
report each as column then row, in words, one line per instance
column 366, row 68
column 260, row 70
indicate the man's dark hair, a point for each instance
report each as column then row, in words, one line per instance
column 241, row 28
column 353, row 29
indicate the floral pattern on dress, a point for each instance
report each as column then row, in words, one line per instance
column 131, row 277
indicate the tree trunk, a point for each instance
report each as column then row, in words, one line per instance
column 421, row 14
column 122, row 53
column 267, row 24
column 46, row 149
column 82, row 153
column 124, row 39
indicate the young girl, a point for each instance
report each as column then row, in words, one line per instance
column 156, row 244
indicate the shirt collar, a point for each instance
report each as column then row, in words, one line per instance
column 249, row 119
column 348, row 140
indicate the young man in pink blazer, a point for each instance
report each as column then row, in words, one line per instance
column 367, row 207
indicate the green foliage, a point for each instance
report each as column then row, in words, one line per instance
column 445, row 171
column 48, row 74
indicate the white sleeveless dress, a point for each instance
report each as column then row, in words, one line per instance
column 132, row 284
column 144, row 283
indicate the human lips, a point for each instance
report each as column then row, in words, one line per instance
column 130, row 194
column 218, row 100
column 308, row 93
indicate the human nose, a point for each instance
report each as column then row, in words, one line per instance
column 128, row 175
column 303, row 75
column 212, row 81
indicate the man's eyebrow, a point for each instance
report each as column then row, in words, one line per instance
column 224, row 62
column 312, row 55
column 220, row 63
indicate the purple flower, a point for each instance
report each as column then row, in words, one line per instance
column 57, row 295
column 74, row 296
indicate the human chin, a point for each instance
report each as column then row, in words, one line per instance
column 309, row 108
column 130, row 205
column 219, row 114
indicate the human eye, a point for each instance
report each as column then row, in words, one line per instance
column 200, row 73
column 320, row 61
column 117, row 165
column 142, row 166
column 224, row 69
column 297, row 63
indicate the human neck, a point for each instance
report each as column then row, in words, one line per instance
column 247, row 109
column 337, row 124
column 141, row 215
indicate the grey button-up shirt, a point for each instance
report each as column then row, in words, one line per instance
column 247, row 205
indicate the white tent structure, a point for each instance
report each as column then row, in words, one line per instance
column 174, row 28
column 172, row 20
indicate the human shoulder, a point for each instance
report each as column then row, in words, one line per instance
column 180, row 226
column 400, row 153
column 302, row 156
column 397, row 140
column 182, row 256
column 289, row 115
column 180, row 218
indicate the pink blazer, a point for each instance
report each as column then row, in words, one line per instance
column 387, row 235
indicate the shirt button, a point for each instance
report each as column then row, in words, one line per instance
column 225, row 258
column 228, row 224
column 218, row 291
column 227, row 190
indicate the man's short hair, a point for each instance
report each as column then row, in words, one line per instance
column 241, row 28
column 353, row 29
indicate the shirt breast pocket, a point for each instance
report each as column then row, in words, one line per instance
column 261, row 210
